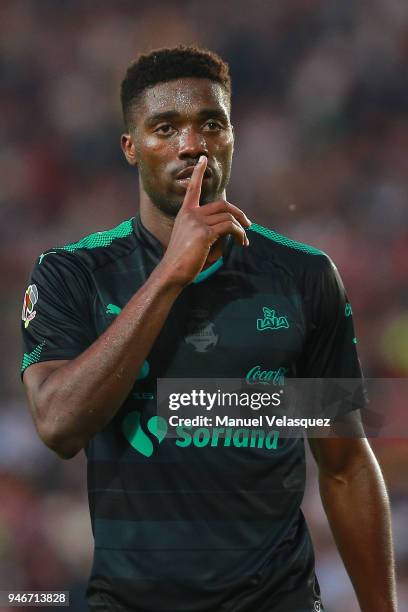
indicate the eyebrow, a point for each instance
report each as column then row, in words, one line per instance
column 205, row 113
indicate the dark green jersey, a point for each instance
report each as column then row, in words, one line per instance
column 181, row 527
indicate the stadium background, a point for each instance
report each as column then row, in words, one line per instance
column 320, row 103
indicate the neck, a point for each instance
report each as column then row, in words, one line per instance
column 161, row 227
column 158, row 224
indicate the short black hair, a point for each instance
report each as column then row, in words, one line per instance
column 167, row 64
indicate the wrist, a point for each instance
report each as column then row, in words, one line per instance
column 169, row 278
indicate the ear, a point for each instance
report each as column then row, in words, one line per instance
column 129, row 149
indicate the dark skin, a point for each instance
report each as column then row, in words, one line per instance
column 74, row 399
column 176, row 123
column 356, row 503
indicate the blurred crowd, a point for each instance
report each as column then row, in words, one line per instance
column 320, row 110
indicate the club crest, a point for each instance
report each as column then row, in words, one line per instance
column 30, row 300
column 201, row 332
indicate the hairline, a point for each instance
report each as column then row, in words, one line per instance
column 137, row 99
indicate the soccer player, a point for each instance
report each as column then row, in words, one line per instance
column 191, row 288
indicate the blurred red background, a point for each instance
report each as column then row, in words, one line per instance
column 320, row 109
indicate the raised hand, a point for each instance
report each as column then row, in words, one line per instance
column 197, row 228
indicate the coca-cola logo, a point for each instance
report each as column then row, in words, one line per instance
column 257, row 375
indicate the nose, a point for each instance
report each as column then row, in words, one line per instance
column 192, row 144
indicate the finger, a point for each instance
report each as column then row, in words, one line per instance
column 220, row 218
column 224, row 218
column 229, row 227
column 239, row 214
column 192, row 197
column 224, row 206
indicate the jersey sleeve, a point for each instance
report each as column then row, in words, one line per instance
column 330, row 351
column 56, row 321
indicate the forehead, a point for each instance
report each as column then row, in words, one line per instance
column 186, row 96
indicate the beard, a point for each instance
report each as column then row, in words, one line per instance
column 168, row 207
column 170, row 204
column 171, row 207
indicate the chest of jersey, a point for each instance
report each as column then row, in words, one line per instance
column 229, row 325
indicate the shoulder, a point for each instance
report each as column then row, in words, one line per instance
column 92, row 251
column 303, row 258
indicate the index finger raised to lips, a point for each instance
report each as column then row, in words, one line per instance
column 192, row 197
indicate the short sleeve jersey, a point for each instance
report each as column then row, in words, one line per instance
column 185, row 527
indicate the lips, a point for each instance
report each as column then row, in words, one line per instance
column 187, row 172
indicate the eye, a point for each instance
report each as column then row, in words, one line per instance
column 164, row 130
column 213, row 126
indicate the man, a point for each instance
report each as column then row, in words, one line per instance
column 190, row 288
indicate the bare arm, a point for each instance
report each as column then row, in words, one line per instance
column 72, row 400
column 355, row 500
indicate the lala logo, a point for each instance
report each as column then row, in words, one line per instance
column 271, row 320
column 30, row 300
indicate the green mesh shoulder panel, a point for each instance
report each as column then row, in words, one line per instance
column 33, row 357
column 101, row 239
column 299, row 246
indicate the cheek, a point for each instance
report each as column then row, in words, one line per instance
column 225, row 145
column 153, row 156
column 158, row 149
column 151, row 144
column 224, row 151
column 151, row 152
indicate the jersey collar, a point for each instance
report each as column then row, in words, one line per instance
column 151, row 244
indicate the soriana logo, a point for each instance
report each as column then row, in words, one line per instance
column 30, row 300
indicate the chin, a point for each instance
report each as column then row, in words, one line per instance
column 171, row 205
column 206, row 199
column 168, row 207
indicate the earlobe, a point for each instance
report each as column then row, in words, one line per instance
column 128, row 149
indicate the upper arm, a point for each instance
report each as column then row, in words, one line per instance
column 340, row 455
column 34, row 377
column 329, row 353
column 56, row 328
column 337, row 456
column 56, row 318
column 330, row 350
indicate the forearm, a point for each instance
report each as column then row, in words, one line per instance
column 357, row 507
column 81, row 397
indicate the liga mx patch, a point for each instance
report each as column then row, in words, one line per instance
column 30, row 300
